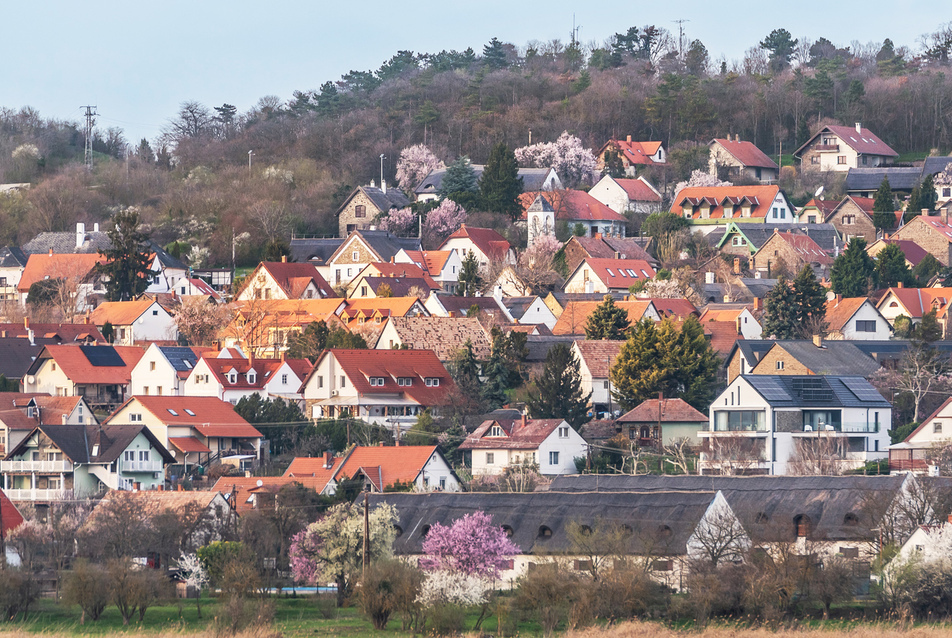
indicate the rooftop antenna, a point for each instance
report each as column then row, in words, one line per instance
column 88, row 156
column 680, row 24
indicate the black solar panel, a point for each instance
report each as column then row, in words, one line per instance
column 102, row 356
column 770, row 389
column 813, row 389
column 862, row 389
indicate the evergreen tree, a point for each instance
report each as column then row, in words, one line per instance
column 853, row 273
column 126, row 271
column 781, row 314
column 928, row 197
column 316, row 337
column 637, row 374
column 460, row 184
column 810, row 299
column 929, row 330
column 914, row 205
column 693, row 362
column 891, row 268
column 607, row 322
column 254, row 409
column 560, row 393
column 423, row 432
column 470, row 281
column 494, row 55
column 926, row 269
column 884, row 207
column 500, row 184
column 614, row 166
column 465, row 371
column 496, row 377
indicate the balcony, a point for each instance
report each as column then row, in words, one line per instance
column 152, row 465
column 860, row 427
column 38, row 494
column 38, row 467
column 827, row 147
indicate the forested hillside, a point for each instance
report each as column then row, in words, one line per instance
column 193, row 183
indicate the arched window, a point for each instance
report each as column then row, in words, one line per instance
column 544, row 532
column 802, row 525
column 851, row 520
column 425, row 531
column 398, row 530
column 508, row 530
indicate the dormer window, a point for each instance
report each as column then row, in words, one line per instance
column 404, row 382
column 377, row 381
column 95, row 450
column 432, row 382
column 496, row 431
column 251, row 376
column 232, row 377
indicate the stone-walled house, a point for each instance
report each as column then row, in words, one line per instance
column 731, row 159
column 365, row 204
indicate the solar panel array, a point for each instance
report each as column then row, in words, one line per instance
column 815, row 389
column 102, row 356
column 771, row 389
column 861, row 389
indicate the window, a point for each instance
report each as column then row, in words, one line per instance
column 937, row 428
column 495, row 431
column 553, row 458
column 320, row 382
column 343, row 381
column 151, row 366
column 172, row 412
column 841, row 159
column 354, row 256
column 563, row 432
column 155, row 313
column 145, row 390
column 775, row 212
column 363, row 291
column 780, row 365
column 376, row 381
column 947, row 192
column 189, row 412
column 432, row 382
column 143, row 455
column 404, row 382
column 815, row 159
column 360, row 210
column 737, row 241
column 158, row 390
column 129, row 455
column 95, row 450
column 865, row 160
column 284, row 379
column 442, row 482
column 490, row 458
column 850, row 552
column 865, row 326
column 135, row 417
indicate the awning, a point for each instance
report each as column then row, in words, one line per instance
column 188, row 444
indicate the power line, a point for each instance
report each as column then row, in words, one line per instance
column 90, row 114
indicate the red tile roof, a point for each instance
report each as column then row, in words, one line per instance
column 488, row 241
column 313, row 466
column 921, row 301
column 825, row 206
column 10, row 514
column 606, row 247
column 722, row 335
column 367, row 308
column 914, row 252
column 188, row 444
column 864, row 142
column 634, row 152
column 619, row 273
column 675, row 308
column 42, row 266
column 599, row 356
column 294, row 278
column 406, row 271
column 575, row 315
column 672, row 411
column 637, row 190
column 387, row 465
column 840, row 311
column 265, row 369
column 120, row 313
column 515, row 435
column 243, row 487
column 760, row 198
column 747, row 154
column 209, row 415
column 67, row 332
column 78, row 369
column 804, row 246
column 944, row 230
column 433, row 260
column 572, row 205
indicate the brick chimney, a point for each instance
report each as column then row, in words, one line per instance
column 818, row 341
column 328, row 460
column 758, row 303
column 524, row 421
column 859, row 128
column 736, row 265
column 284, row 259
column 629, row 139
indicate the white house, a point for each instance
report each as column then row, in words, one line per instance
column 363, row 247
column 552, row 444
column 627, row 195
column 768, row 424
column 596, row 359
column 232, row 379
column 484, row 243
column 856, row 319
column 840, row 148
column 608, row 275
column 529, row 310
column 915, row 453
column 443, row 265
column 283, row 280
column 162, row 370
column 12, row 263
column 141, row 320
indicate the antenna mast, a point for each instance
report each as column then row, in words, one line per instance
column 88, row 156
column 680, row 24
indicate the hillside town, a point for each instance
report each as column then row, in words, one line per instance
column 665, row 358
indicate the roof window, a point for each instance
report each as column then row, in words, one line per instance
column 189, row 412
column 172, row 412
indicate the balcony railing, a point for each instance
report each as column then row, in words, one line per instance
column 826, row 147
column 38, row 494
column 49, row 467
column 152, row 465
column 860, row 427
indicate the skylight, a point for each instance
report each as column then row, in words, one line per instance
column 189, row 412
column 610, row 272
column 172, row 412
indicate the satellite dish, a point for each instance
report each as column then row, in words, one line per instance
column 30, row 379
column 260, row 482
column 818, row 192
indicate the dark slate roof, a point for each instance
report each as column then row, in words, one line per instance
column 17, row 355
column 934, row 165
column 758, row 288
column 399, row 286
column 753, row 349
column 894, row 349
column 461, row 305
column 795, row 391
column 167, row 260
column 314, row 250
column 65, row 243
column 12, row 257
column 393, row 198
column 841, row 358
column 539, row 345
column 868, row 179
column 532, row 179
column 517, row 306
column 182, row 358
column 768, row 505
column 387, row 245
column 668, row 518
column 825, row 235
column 76, row 441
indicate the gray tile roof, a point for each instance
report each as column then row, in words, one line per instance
column 539, row 345
column 12, row 257
column 532, row 179
column 393, row 198
column 934, row 165
column 65, row 243
column 387, row 245
column 796, row 391
column 759, row 288
column 314, row 250
column 868, row 179
column 517, row 306
column 835, row 357
column 17, row 355
column 76, row 441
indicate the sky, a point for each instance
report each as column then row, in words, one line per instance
column 137, row 61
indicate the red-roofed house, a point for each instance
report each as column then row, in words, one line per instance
column 731, row 158
column 422, row 466
column 677, row 419
column 141, row 320
column 855, row 319
column 10, row 517
column 816, row 211
column 485, row 243
column 916, row 302
column 853, row 217
column 720, row 204
column 745, row 323
column 840, row 148
column 100, row 374
column 627, row 195
column 76, row 271
column 75, row 333
column 246, row 493
column 389, row 388
column 551, row 443
column 596, row 359
column 21, row 412
column 541, row 211
column 284, row 280
column 402, row 279
column 633, row 155
column 913, row 252
column 932, row 233
column 575, row 315
column 912, row 454
column 608, row 275
column 443, row 265
column 795, row 251
column 196, row 430
column 232, row 379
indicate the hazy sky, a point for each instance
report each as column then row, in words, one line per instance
column 137, row 61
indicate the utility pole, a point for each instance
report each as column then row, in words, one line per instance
column 88, row 156
column 680, row 24
column 366, row 551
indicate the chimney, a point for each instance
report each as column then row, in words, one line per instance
column 51, row 251
column 524, row 422
column 373, row 184
column 758, row 303
column 925, row 212
column 617, row 255
column 899, row 284
column 96, row 227
column 736, row 265
column 178, row 488
column 859, row 128
column 80, row 233
column 284, row 259
column 3, row 334
column 598, row 235
column 26, row 323
column 328, row 460
column 64, row 418
column 383, row 186
column 29, row 334
column 818, row 341
column 709, row 277
column 160, row 487
column 629, row 139
column 737, row 324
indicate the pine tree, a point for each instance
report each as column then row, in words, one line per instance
column 891, row 267
column 607, row 322
column 926, row 269
column 928, row 197
column 884, row 207
column 811, row 303
column 693, row 363
column 460, row 182
column 470, row 281
column 495, row 375
column 853, row 273
column 914, row 205
column 494, row 55
column 638, row 374
column 126, row 271
column 928, row 330
column 465, row 371
column 560, row 393
column 781, row 312
column 500, row 184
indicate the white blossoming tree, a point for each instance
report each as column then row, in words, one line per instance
column 574, row 163
column 415, row 163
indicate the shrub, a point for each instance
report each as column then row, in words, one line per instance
column 547, row 592
column 87, row 586
column 389, row 586
column 18, row 590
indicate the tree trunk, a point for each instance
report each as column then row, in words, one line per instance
column 341, row 590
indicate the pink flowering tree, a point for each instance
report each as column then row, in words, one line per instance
column 471, row 545
column 573, row 162
column 443, row 221
column 415, row 163
column 699, row 178
column 400, row 221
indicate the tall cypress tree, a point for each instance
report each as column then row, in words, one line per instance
column 460, row 183
column 928, row 197
column 607, row 322
column 810, row 298
column 469, row 279
column 500, row 184
column 693, row 364
column 853, row 272
column 891, row 267
column 781, row 312
column 560, row 389
column 884, row 206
